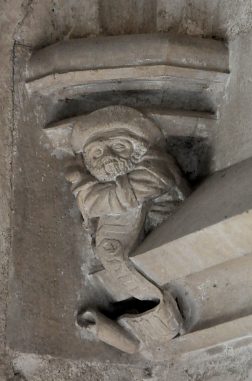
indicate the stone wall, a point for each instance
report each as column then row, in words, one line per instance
column 34, row 24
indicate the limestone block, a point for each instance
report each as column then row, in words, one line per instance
column 107, row 79
column 216, row 339
column 148, row 62
column 34, row 163
column 129, row 50
column 215, row 295
column 183, row 123
column 121, row 17
column 212, row 226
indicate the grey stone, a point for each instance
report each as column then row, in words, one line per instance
column 39, row 24
column 124, row 175
column 222, row 196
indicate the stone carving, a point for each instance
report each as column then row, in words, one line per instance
column 125, row 185
column 126, row 165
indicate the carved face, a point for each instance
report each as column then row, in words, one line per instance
column 109, row 157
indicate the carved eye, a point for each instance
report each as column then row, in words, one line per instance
column 98, row 152
column 119, row 147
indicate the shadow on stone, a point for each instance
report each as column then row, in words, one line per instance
column 193, row 156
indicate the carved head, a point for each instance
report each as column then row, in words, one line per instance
column 112, row 155
column 112, row 140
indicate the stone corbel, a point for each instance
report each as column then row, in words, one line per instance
column 125, row 172
column 149, row 62
column 128, row 62
column 125, row 181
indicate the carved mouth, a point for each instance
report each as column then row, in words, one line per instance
column 112, row 165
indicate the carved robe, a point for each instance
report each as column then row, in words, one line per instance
column 154, row 176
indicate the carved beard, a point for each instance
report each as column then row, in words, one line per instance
column 110, row 167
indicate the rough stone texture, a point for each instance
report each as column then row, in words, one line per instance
column 220, row 197
column 50, row 21
column 47, row 300
column 204, row 18
column 128, row 16
column 37, row 23
column 206, row 290
column 204, row 250
column 224, row 364
column 9, row 21
column 232, row 134
column 130, row 50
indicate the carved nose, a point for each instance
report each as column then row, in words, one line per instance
column 108, row 151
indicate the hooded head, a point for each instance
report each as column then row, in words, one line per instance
column 113, row 139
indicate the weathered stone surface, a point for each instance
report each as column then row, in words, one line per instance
column 204, row 18
column 231, row 139
column 124, row 175
column 49, row 21
column 212, row 226
column 52, row 20
column 198, row 250
column 205, row 261
column 203, row 365
column 173, row 124
column 133, row 78
column 9, row 21
column 215, row 295
column 217, row 336
column 139, row 16
column 151, row 62
column 129, row 50
column 46, row 299
column 183, row 123
column 109, row 331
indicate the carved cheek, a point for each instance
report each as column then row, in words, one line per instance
column 93, row 161
column 93, row 155
column 126, row 154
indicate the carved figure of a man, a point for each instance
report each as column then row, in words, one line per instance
column 127, row 166
column 125, row 180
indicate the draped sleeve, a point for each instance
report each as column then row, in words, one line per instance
column 156, row 174
column 96, row 199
